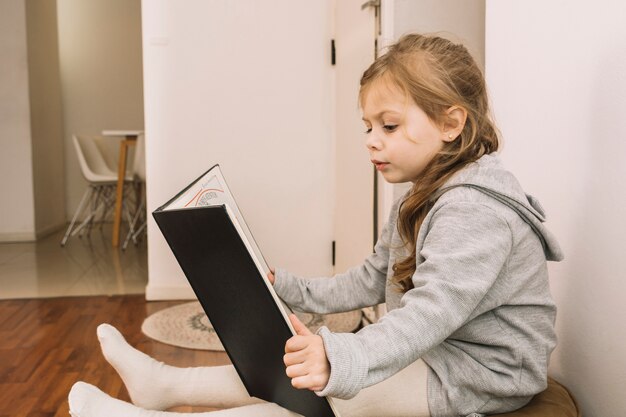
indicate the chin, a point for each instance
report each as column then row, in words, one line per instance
column 395, row 177
column 394, row 180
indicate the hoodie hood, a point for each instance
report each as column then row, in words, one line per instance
column 488, row 176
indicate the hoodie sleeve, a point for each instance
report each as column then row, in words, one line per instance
column 466, row 247
column 359, row 287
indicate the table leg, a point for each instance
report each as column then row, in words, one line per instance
column 119, row 195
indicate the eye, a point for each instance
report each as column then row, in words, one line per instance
column 368, row 130
column 390, row 128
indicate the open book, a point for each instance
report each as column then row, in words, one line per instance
column 221, row 260
column 211, row 190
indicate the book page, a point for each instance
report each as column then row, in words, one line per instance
column 285, row 310
column 211, row 190
column 207, row 191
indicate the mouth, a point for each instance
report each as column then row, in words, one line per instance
column 379, row 164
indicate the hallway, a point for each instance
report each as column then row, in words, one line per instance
column 85, row 266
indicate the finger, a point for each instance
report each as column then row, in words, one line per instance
column 270, row 277
column 294, row 358
column 296, row 343
column 295, row 371
column 306, row 382
column 300, row 328
column 301, row 382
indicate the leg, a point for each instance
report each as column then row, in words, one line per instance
column 157, row 386
column 402, row 395
column 85, row 400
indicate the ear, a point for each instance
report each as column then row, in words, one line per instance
column 455, row 119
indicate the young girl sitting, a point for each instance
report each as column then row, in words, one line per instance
column 460, row 264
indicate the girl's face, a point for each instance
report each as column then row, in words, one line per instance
column 401, row 139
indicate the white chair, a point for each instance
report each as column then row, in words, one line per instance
column 138, row 224
column 100, row 194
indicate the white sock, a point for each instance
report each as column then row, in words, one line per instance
column 156, row 386
column 85, row 400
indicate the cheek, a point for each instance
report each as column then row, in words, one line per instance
column 425, row 137
column 428, row 141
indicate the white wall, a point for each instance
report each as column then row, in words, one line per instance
column 17, row 218
column 248, row 85
column 459, row 21
column 557, row 74
column 354, row 183
column 101, row 75
column 46, row 115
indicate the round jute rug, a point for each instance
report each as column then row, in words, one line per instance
column 186, row 325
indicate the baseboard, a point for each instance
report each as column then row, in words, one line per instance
column 17, row 237
column 48, row 230
column 31, row 236
column 158, row 292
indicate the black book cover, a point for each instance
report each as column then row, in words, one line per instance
column 237, row 301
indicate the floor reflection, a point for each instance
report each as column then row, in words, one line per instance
column 85, row 266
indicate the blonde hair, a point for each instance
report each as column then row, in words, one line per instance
column 435, row 74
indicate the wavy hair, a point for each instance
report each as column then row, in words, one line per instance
column 435, row 74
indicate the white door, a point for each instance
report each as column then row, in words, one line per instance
column 355, row 37
column 248, row 85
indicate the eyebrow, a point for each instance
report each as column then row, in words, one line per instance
column 381, row 113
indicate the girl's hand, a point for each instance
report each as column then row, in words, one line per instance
column 305, row 357
column 270, row 276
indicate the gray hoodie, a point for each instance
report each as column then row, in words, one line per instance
column 481, row 314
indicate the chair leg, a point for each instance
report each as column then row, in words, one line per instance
column 106, row 196
column 128, row 237
column 86, row 196
column 97, row 200
column 141, row 228
column 132, row 234
column 94, row 209
column 106, row 204
column 110, row 201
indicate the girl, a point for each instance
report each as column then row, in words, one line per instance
column 460, row 264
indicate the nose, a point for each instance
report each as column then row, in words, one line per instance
column 373, row 142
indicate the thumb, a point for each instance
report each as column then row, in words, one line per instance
column 301, row 329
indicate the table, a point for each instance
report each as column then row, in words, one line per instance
column 130, row 138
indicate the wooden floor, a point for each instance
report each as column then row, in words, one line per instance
column 48, row 344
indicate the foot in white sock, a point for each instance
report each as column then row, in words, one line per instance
column 156, row 386
column 86, row 400
column 140, row 373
